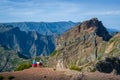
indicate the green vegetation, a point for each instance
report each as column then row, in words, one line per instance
column 100, row 55
column 1, row 77
column 53, row 53
column 23, row 66
column 11, row 77
column 73, row 67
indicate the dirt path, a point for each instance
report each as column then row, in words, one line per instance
column 50, row 74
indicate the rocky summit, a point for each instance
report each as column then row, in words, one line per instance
column 84, row 45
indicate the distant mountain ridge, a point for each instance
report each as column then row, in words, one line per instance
column 49, row 28
column 45, row 28
column 113, row 31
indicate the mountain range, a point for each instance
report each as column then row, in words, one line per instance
column 32, row 38
column 21, row 41
column 81, row 44
column 49, row 28
column 44, row 28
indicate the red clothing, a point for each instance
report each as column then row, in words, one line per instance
column 34, row 65
column 40, row 64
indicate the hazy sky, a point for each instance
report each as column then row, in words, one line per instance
column 108, row 11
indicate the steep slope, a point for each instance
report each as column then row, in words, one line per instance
column 45, row 28
column 111, row 59
column 113, row 46
column 9, row 59
column 29, row 44
column 81, row 45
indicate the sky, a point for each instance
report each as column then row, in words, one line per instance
column 108, row 11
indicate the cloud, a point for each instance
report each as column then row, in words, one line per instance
column 14, row 8
column 103, row 13
column 60, row 10
column 52, row 10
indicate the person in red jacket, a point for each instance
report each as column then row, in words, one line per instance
column 41, row 63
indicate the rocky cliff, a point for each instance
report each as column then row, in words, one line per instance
column 29, row 44
column 83, row 44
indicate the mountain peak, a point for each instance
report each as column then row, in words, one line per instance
column 94, row 26
column 94, row 19
column 94, row 22
column 83, row 43
column 86, row 29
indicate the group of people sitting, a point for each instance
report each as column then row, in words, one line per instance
column 37, row 64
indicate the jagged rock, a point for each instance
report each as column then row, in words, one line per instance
column 103, row 66
column 87, row 39
column 108, row 65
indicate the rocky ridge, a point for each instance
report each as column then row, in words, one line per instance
column 85, row 45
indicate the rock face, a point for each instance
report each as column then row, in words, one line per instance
column 82, row 44
column 89, row 47
column 88, row 29
column 9, row 59
column 113, row 46
column 29, row 44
